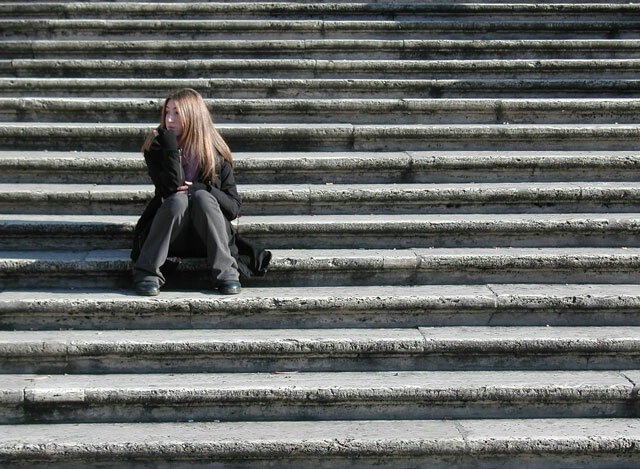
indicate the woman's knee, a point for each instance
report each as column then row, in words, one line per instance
column 203, row 201
column 175, row 205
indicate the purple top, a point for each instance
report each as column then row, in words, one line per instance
column 190, row 167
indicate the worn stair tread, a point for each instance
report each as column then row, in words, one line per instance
column 62, row 232
column 284, row 257
column 411, row 225
column 428, row 439
column 20, row 160
column 333, row 137
column 415, row 27
column 108, row 262
column 321, row 87
column 28, row 398
column 507, row 296
column 530, row 304
column 53, row 128
column 321, row 48
column 468, row 23
column 450, row 339
column 23, row 389
column 451, row 348
column 333, row 193
column 353, row 110
column 318, row 223
column 337, row 167
column 564, row 69
column 33, row 46
column 325, row 267
column 128, row 9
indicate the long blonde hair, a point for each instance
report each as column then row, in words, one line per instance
column 199, row 138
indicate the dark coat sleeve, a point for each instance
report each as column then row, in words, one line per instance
column 164, row 168
column 226, row 193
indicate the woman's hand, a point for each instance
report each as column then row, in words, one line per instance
column 184, row 188
column 167, row 138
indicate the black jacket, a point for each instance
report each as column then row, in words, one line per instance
column 165, row 170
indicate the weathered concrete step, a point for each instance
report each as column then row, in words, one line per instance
column 323, row 199
column 399, row 49
column 39, row 166
column 398, row 444
column 334, row 137
column 342, row 10
column 334, row 267
column 619, row 25
column 27, row 399
column 66, row 232
column 495, row 69
column 260, row 88
column 450, row 348
column 329, row 111
column 327, row 307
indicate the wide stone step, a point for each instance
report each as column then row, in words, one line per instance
column 495, row 69
column 333, row 137
column 398, row 49
column 342, row 10
column 279, row 88
column 334, row 267
column 438, row 444
column 281, row 396
column 66, row 232
column 375, row 306
column 353, row 111
column 622, row 24
column 450, row 348
column 347, row 167
column 324, row 199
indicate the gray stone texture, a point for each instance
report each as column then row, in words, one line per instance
column 450, row 192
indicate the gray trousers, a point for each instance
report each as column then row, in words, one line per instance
column 178, row 219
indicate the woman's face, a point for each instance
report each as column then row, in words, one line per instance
column 172, row 120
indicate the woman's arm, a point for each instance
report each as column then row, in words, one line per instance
column 163, row 163
column 226, row 192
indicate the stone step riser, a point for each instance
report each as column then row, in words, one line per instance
column 584, row 197
column 308, row 308
column 339, row 88
column 466, row 444
column 338, row 49
column 595, row 232
column 618, row 27
column 535, row 205
column 143, row 409
column 107, row 269
column 487, row 70
column 228, row 363
column 120, row 30
column 52, row 241
column 330, row 111
column 36, row 167
column 320, row 350
column 334, row 137
column 328, row 363
column 335, row 9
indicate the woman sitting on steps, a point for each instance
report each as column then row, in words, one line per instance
column 195, row 201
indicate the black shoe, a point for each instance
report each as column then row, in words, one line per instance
column 230, row 287
column 147, row 288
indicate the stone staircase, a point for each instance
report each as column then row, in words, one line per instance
column 450, row 192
